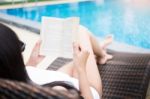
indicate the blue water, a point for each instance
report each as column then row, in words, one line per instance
column 128, row 25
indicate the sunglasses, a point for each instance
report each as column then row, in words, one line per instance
column 22, row 46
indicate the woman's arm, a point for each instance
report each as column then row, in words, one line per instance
column 84, row 85
column 80, row 60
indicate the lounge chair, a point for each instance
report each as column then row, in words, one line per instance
column 126, row 76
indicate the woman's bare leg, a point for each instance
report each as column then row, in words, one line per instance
column 99, row 48
column 67, row 68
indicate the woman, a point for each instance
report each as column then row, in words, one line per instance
column 79, row 72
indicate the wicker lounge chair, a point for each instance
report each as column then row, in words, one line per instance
column 126, row 76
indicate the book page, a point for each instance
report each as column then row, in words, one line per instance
column 71, row 26
column 50, row 35
column 57, row 35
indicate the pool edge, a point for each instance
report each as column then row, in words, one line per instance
column 36, row 26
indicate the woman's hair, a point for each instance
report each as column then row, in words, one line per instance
column 11, row 62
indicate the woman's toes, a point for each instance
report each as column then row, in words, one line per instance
column 107, row 41
column 109, row 38
column 102, row 60
column 108, row 57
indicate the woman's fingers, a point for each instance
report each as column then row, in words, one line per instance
column 38, row 45
column 36, row 48
column 79, row 50
column 35, row 57
column 85, row 55
column 76, row 48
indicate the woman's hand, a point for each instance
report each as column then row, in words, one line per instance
column 35, row 58
column 80, row 57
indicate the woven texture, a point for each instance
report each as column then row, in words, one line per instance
column 19, row 90
column 126, row 76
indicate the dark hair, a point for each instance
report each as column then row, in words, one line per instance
column 11, row 62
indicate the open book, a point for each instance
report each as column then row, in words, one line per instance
column 57, row 35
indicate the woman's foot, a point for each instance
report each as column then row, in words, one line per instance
column 108, row 40
column 103, row 59
column 105, row 56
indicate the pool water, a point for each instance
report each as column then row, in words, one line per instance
column 127, row 24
